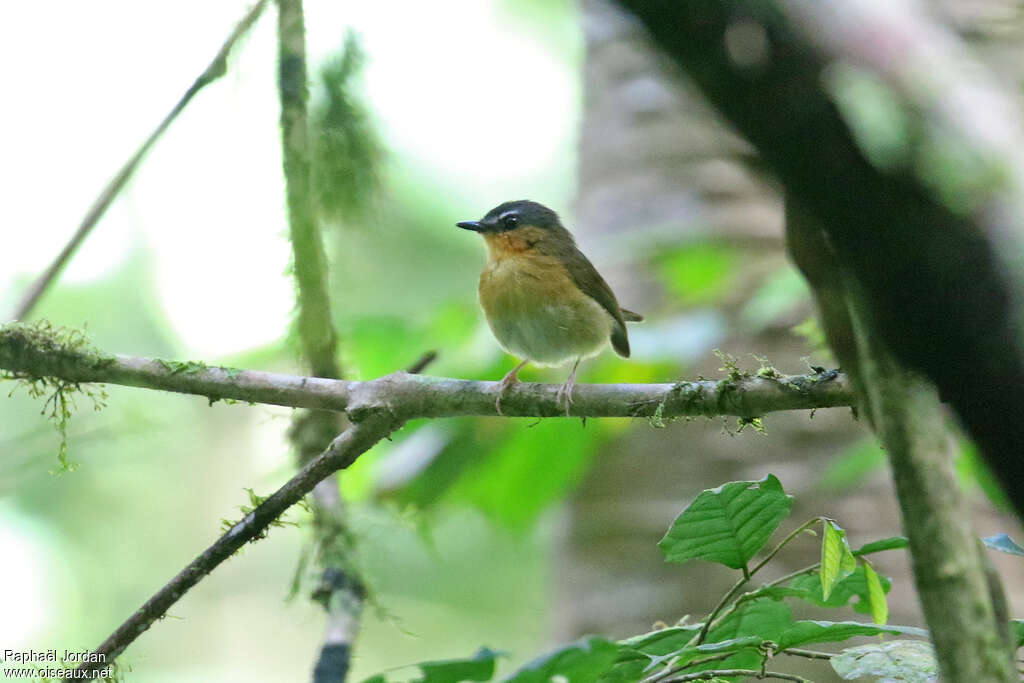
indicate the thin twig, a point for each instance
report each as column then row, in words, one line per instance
column 672, row 671
column 809, row 654
column 747, row 575
column 342, row 452
column 782, row 544
column 421, row 364
column 722, row 673
column 216, row 69
column 702, row 636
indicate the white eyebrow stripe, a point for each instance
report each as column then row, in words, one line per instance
column 507, row 213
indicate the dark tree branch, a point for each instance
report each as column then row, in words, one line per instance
column 958, row 598
column 938, row 257
column 342, row 452
column 217, row 68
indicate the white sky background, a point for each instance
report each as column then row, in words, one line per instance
column 86, row 82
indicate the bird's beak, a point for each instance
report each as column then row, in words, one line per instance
column 470, row 225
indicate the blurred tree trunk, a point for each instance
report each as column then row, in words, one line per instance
column 654, row 158
column 657, row 163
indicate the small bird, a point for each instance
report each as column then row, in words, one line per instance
column 544, row 300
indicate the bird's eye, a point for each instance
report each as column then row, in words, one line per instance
column 510, row 221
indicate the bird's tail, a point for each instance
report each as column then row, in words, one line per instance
column 631, row 317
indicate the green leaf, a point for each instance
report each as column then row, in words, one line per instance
column 379, row 678
column 480, row 667
column 780, row 592
column 1003, row 543
column 876, row 595
column 581, row 662
column 662, row 641
column 729, row 524
column 891, row 543
column 807, row 632
column 837, row 560
column 641, row 653
column 855, row 585
column 1017, row 632
column 759, row 619
column 912, row 661
column 767, row 619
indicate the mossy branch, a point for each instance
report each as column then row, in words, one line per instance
column 24, row 354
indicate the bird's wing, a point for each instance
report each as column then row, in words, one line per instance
column 590, row 282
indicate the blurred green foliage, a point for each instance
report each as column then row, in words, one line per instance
column 449, row 515
column 347, row 150
column 698, row 273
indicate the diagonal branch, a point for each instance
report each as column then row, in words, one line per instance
column 216, row 69
column 25, row 354
column 340, row 454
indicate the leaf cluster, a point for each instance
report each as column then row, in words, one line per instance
column 731, row 526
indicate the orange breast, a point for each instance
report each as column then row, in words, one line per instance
column 534, row 308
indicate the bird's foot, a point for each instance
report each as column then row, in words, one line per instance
column 564, row 395
column 507, row 381
column 503, row 386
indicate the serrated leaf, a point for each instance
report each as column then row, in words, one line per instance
column 766, row 619
column 480, row 667
column 780, row 592
column 759, row 619
column 807, row 632
column 581, row 662
column 855, row 585
column 876, row 595
column 729, row 524
column 891, row 543
column 1003, row 543
column 912, row 661
column 837, row 560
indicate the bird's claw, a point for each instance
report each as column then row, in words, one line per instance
column 503, row 386
column 564, row 396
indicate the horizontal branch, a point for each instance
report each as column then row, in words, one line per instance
column 26, row 353
column 342, row 452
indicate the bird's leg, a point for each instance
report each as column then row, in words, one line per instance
column 508, row 380
column 565, row 391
